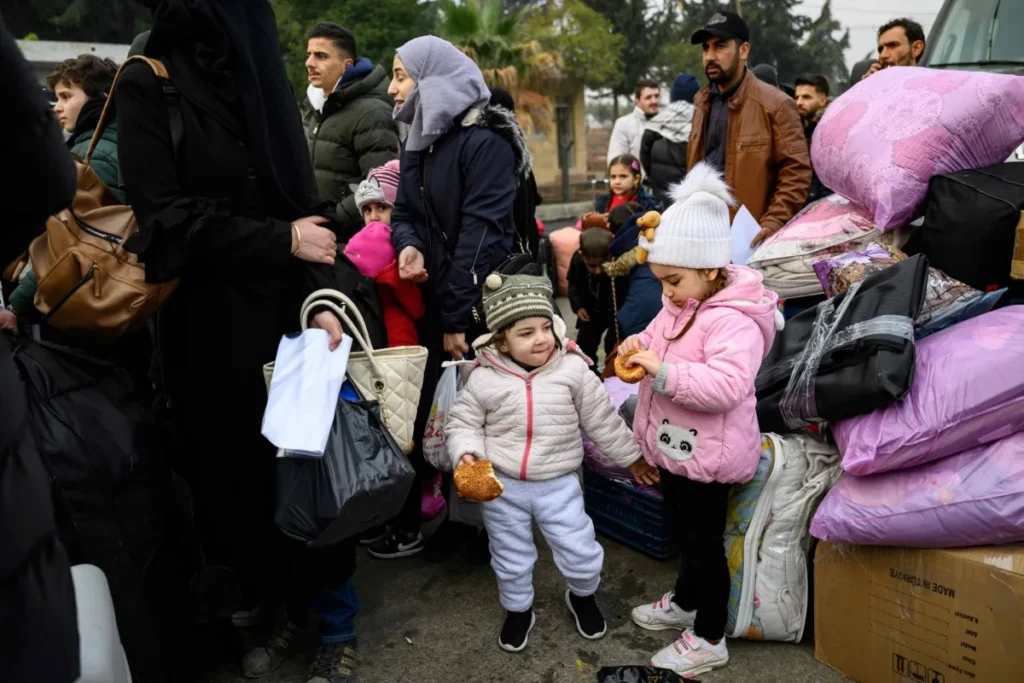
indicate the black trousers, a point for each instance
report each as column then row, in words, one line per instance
column 698, row 515
column 588, row 337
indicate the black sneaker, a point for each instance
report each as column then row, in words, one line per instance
column 333, row 663
column 373, row 535
column 397, row 544
column 266, row 659
column 516, row 631
column 589, row 620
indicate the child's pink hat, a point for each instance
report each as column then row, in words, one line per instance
column 370, row 249
column 381, row 185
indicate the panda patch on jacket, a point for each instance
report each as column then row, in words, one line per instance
column 676, row 442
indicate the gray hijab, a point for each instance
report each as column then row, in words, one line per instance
column 447, row 84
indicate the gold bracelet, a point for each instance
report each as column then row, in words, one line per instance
column 298, row 239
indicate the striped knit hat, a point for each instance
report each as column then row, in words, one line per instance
column 381, row 186
column 511, row 298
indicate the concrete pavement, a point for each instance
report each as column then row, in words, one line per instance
column 439, row 623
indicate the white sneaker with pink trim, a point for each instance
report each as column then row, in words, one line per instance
column 663, row 615
column 691, row 655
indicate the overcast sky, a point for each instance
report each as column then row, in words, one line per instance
column 863, row 17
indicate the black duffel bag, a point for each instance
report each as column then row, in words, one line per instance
column 848, row 356
column 970, row 224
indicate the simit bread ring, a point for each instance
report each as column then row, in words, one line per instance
column 477, row 482
column 629, row 375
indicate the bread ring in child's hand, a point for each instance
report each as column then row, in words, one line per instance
column 478, row 482
column 629, row 375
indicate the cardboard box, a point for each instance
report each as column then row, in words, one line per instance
column 908, row 615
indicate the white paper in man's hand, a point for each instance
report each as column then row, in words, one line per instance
column 744, row 229
column 304, row 392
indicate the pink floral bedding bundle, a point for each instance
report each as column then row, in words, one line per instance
column 881, row 141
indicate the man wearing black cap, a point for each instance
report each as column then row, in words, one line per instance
column 748, row 129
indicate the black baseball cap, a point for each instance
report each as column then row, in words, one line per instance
column 724, row 26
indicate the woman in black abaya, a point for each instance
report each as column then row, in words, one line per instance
column 232, row 210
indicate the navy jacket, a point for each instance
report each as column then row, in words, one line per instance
column 639, row 293
column 466, row 183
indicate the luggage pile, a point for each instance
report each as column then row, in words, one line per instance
column 912, row 154
column 911, row 366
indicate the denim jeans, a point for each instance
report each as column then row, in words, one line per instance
column 337, row 608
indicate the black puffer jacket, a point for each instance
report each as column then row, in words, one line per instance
column 664, row 162
column 353, row 133
column 38, row 623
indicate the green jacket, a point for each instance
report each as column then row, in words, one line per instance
column 104, row 157
column 354, row 133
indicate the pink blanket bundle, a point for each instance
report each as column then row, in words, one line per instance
column 968, row 390
column 974, row 498
column 881, row 141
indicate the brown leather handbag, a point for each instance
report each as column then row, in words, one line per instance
column 89, row 286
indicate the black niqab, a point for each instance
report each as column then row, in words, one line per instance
column 223, row 56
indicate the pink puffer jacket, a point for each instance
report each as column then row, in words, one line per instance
column 697, row 418
column 528, row 424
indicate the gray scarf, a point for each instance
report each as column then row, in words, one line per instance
column 447, row 84
column 673, row 122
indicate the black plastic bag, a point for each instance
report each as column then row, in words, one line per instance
column 639, row 674
column 361, row 481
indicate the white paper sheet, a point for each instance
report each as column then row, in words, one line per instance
column 744, row 229
column 304, row 392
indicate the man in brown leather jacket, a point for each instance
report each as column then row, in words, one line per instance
column 748, row 129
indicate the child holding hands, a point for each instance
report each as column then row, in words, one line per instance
column 695, row 416
column 522, row 408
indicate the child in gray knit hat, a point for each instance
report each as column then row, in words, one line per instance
column 522, row 408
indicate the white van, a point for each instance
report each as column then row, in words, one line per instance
column 983, row 35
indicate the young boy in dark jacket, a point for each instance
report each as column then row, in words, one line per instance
column 590, row 292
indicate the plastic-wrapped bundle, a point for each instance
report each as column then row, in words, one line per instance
column 947, row 301
column 624, row 399
column 828, row 227
column 968, row 390
column 974, row 498
column 881, row 141
column 848, row 356
column 769, row 595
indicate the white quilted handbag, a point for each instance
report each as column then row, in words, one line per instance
column 394, row 376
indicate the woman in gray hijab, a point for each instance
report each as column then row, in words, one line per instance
column 453, row 219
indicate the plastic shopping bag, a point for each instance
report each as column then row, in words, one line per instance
column 361, row 481
column 639, row 674
column 434, row 450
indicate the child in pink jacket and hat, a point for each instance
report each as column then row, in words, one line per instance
column 695, row 417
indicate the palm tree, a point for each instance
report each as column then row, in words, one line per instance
column 492, row 39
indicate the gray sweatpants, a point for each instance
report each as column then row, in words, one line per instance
column 557, row 507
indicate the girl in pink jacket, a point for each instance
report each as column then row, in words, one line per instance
column 695, row 417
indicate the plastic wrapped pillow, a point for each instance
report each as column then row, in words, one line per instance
column 968, row 390
column 882, row 140
column 974, row 498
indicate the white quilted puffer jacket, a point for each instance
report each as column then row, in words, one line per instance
column 528, row 424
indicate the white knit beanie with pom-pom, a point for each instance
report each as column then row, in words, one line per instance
column 695, row 232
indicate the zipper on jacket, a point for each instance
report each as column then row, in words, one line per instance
column 109, row 237
column 472, row 271
column 529, row 427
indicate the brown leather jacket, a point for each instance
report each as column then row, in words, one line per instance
column 767, row 163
